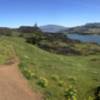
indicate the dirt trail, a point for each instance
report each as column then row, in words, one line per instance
column 13, row 86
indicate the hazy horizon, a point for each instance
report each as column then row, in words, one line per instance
column 47, row 25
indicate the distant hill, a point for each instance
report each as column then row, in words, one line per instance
column 52, row 28
column 90, row 28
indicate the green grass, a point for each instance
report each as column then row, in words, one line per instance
column 6, row 50
column 59, row 72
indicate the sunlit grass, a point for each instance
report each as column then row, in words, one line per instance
column 58, row 72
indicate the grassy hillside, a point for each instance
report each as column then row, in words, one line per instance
column 52, row 74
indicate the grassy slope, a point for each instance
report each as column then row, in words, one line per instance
column 78, row 71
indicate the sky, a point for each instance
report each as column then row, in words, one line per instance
column 14, row 13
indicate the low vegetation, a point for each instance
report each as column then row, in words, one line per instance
column 57, row 77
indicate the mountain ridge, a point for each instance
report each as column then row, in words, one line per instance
column 89, row 28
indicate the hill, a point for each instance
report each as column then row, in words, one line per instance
column 53, row 75
column 52, row 28
column 90, row 28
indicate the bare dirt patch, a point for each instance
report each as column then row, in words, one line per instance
column 13, row 86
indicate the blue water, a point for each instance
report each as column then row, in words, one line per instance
column 85, row 38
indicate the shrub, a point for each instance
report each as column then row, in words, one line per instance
column 70, row 94
column 97, row 93
column 28, row 73
column 43, row 82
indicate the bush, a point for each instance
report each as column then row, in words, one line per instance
column 28, row 73
column 43, row 82
column 97, row 93
column 70, row 94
